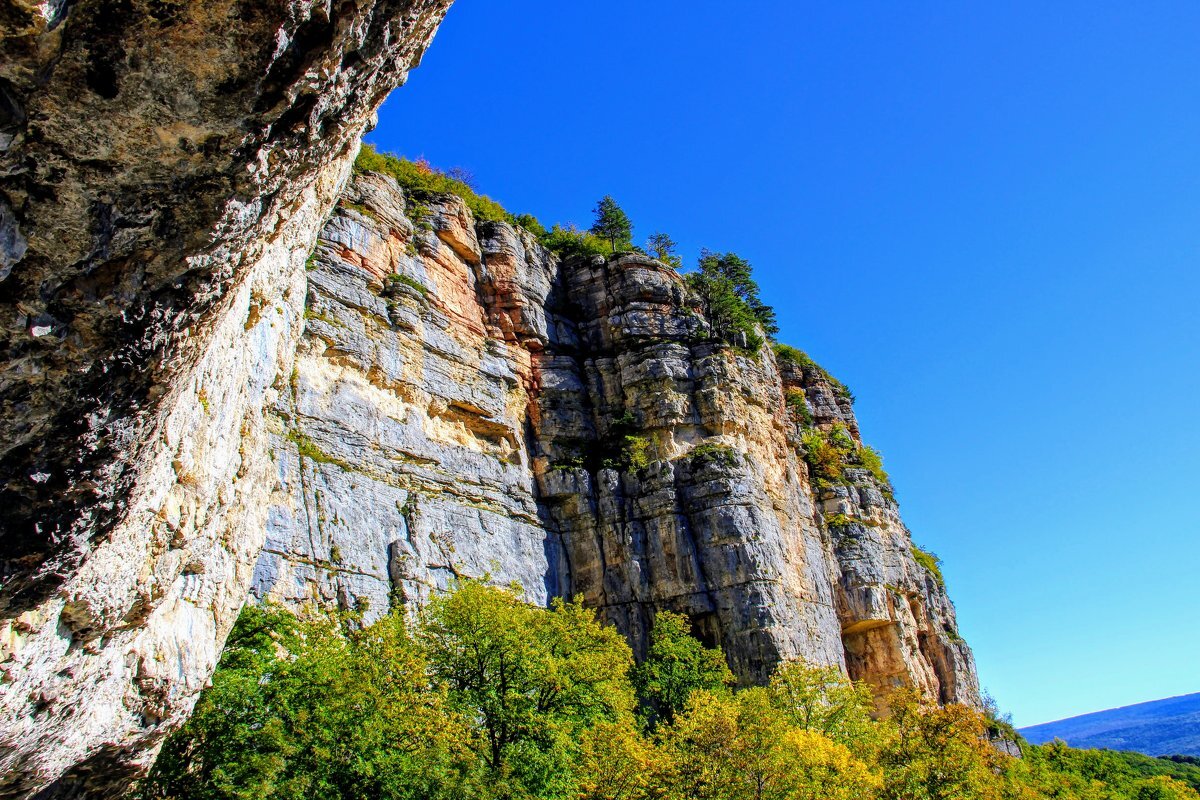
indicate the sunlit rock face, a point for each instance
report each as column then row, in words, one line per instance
column 467, row 405
column 165, row 168
column 400, row 441
column 216, row 384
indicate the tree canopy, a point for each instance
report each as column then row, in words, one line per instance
column 729, row 295
column 612, row 224
column 485, row 697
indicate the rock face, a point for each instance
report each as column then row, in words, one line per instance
column 201, row 404
column 164, row 171
column 400, row 442
column 465, row 404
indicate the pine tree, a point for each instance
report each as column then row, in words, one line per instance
column 612, row 223
column 662, row 247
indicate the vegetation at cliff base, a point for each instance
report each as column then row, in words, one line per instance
column 485, row 697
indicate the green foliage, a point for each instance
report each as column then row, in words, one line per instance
column 662, row 247
column 419, row 178
column 930, row 562
column 361, row 209
column 713, row 453
column 532, row 679
column 612, row 224
column 729, row 296
column 410, row 282
column 486, row 697
column 531, row 223
column 829, row 451
column 938, row 753
column 676, row 665
column 786, row 354
column 300, row 708
column 820, row 699
column 307, row 448
column 636, row 452
column 870, row 460
column 797, row 403
column 569, row 241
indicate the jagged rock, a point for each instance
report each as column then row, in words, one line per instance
column 164, row 171
column 484, row 426
column 400, row 445
column 189, row 371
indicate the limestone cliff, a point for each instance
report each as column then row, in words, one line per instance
column 164, row 170
column 201, row 404
column 466, row 404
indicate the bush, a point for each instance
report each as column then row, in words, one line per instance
column 636, row 452
column 569, row 241
column 707, row 453
column 797, row 403
column 829, row 451
column 420, row 178
column 786, row 354
column 486, row 696
column 530, row 223
column 930, row 562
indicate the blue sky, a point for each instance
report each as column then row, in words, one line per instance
column 983, row 217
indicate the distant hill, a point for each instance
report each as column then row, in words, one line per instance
column 1160, row 727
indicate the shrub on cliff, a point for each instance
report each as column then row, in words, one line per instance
column 567, row 241
column 829, row 451
column 786, row 354
column 930, row 563
column 419, row 177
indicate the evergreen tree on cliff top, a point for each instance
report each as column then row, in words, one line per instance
column 612, row 223
column 730, row 297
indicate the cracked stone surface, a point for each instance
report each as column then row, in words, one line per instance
column 462, row 405
column 164, row 171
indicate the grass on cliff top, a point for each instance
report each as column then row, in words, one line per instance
column 421, row 178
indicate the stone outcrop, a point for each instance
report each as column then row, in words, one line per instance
column 164, row 171
column 214, row 387
column 466, row 404
column 400, row 441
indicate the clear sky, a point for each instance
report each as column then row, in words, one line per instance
column 983, row 217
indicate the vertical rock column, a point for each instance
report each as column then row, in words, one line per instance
column 400, row 440
column 164, row 171
column 898, row 624
column 665, row 467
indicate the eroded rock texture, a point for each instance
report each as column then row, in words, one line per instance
column 465, row 404
column 164, row 170
column 401, row 447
